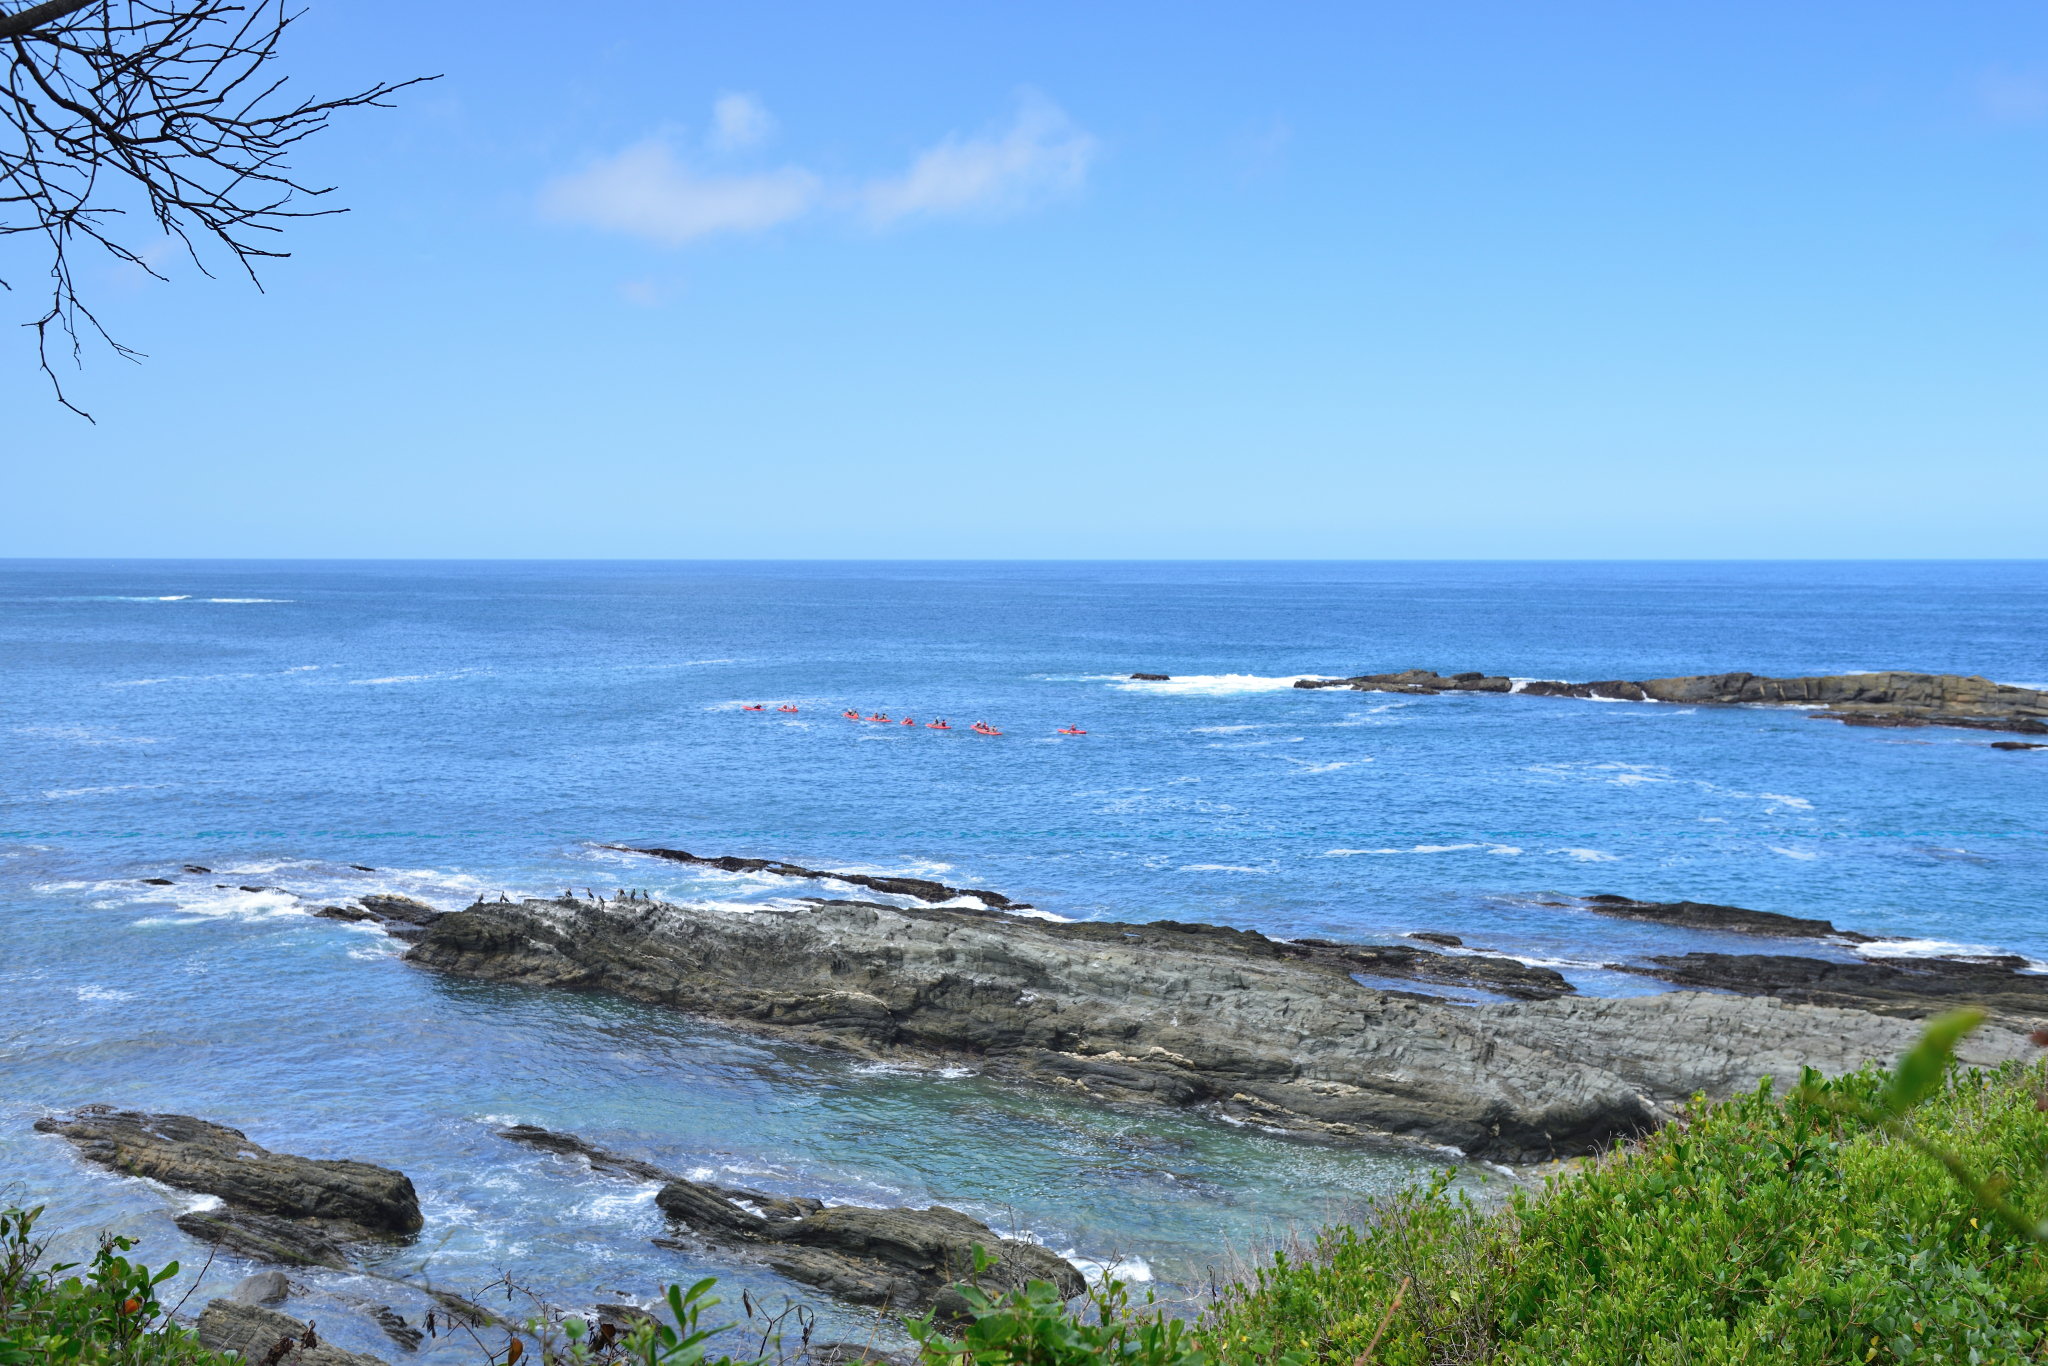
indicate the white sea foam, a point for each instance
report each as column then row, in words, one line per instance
column 1133, row 1269
column 1220, row 868
column 1590, row 855
column 1034, row 913
column 1214, row 685
column 251, row 599
column 106, row 995
column 407, row 678
column 1804, row 856
column 1306, row 767
column 1796, row 803
column 1222, row 730
column 1936, row 948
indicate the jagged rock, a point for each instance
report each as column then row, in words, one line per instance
column 396, row 1328
column 1702, row 915
column 195, row 868
column 923, row 889
column 1878, row 699
column 264, row 1287
column 897, row 1257
column 1907, row 987
column 277, row 1206
column 343, row 913
column 294, row 1242
column 252, row 1331
column 1178, row 1014
column 158, row 882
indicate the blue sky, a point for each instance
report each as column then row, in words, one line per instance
column 1172, row 281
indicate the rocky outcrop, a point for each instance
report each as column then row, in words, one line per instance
column 1164, row 1013
column 274, row 1206
column 1477, row 971
column 1704, row 915
column 923, row 889
column 906, row 1259
column 402, row 917
column 1911, row 988
column 255, row 1332
column 1877, row 699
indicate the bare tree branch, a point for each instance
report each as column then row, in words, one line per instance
column 174, row 99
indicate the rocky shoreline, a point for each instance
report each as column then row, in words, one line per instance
column 1246, row 1028
column 1874, row 699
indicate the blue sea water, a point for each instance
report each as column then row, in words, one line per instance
column 444, row 730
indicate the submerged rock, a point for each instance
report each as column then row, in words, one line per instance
column 902, row 1258
column 275, row 1205
column 1166, row 1013
column 253, row 1331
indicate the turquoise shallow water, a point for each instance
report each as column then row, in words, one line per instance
column 463, row 728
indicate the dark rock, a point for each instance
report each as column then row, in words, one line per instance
column 463, row 1310
column 250, row 1330
column 1449, row 941
column 922, row 889
column 1906, row 987
column 624, row 1317
column 396, row 1328
column 2015, row 744
column 569, row 1145
column 902, row 1258
column 403, row 908
column 262, row 889
column 1178, row 1014
column 343, row 913
column 361, row 868
column 280, row 1207
column 195, row 868
column 1152, row 678
column 1702, row 915
column 264, row 1238
column 264, row 1287
column 1486, row 972
column 158, row 882
column 1879, row 699
column 897, row 1257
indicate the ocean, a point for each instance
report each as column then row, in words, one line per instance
column 316, row 731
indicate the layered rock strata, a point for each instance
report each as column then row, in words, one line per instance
column 1875, row 699
column 254, row 1332
column 1191, row 1015
column 1705, row 915
column 1910, row 988
column 906, row 1259
column 922, row 889
column 274, row 1206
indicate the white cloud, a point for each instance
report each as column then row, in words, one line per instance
column 2013, row 96
column 1043, row 155
column 647, row 192
column 739, row 121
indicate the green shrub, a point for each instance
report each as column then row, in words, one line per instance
column 1758, row 1230
column 110, row 1316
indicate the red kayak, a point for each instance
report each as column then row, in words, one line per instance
column 753, row 708
column 851, row 715
column 880, row 716
column 936, row 725
column 908, row 721
column 983, row 728
column 786, row 707
column 1072, row 730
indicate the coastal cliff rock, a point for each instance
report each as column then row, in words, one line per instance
column 904, row 1258
column 1195, row 1015
column 1875, row 699
column 274, row 1206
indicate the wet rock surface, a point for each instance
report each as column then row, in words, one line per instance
column 1910, row 988
column 1165, row 1013
column 274, row 1205
column 1703, row 915
column 923, row 889
column 902, row 1258
column 1874, row 699
column 1478, row 971
column 253, row 1331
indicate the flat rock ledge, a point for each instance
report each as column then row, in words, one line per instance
column 252, row 1332
column 1876, row 699
column 1249, row 1029
column 905, row 1259
column 274, row 1206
